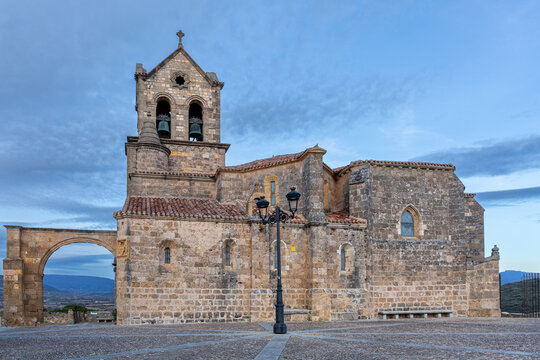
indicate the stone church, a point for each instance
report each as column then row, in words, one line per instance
column 370, row 239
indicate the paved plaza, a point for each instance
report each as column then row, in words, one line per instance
column 455, row 338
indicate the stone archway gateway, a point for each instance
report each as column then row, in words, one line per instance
column 28, row 250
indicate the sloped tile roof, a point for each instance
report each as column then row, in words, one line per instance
column 340, row 217
column 180, row 208
column 173, row 173
column 274, row 160
column 469, row 195
column 208, row 209
column 262, row 163
column 404, row 164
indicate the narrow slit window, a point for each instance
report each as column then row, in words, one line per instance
column 407, row 224
column 227, row 255
column 273, row 193
column 342, row 259
column 275, row 257
column 167, row 255
column 325, row 195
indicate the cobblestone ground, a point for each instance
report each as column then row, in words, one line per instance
column 457, row 338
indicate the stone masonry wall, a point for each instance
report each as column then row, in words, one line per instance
column 170, row 186
column 58, row 318
column 428, row 270
column 415, row 275
column 483, row 283
column 190, row 158
column 240, row 185
column 196, row 285
column 474, row 217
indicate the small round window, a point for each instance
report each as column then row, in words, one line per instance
column 180, row 80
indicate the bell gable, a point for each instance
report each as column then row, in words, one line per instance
column 176, row 89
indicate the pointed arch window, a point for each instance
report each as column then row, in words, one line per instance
column 167, row 255
column 410, row 223
column 343, row 259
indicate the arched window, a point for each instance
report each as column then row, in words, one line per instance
column 346, row 258
column 227, row 252
column 227, row 255
column 167, row 255
column 195, row 122
column 163, row 119
column 407, row 224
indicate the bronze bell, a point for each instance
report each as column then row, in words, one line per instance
column 163, row 126
column 195, row 132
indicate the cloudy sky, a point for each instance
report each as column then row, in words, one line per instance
column 454, row 81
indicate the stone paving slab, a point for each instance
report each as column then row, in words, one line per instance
column 454, row 338
column 316, row 349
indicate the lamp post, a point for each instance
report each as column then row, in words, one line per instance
column 275, row 218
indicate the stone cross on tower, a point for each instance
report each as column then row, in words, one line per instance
column 180, row 35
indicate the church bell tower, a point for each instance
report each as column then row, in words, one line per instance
column 178, row 145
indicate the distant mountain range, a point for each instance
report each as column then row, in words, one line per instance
column 78, row 284
column 73, row 284
column 510, row 276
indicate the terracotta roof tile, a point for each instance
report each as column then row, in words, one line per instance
column 262, row 163
column 340, row 217
column 408, row 164
column 338, row 169
column 469, row 195
column 180, row 208
column 172, row 173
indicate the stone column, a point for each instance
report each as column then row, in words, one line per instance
column 13, row 279
column 319, row 297
column 122, row 276
column 313, row 209
column 312, row 200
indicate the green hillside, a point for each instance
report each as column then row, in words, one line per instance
column 511, row 297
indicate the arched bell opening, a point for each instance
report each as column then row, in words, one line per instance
column 163, row 119
column 195, row 122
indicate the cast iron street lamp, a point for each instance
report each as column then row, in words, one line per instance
column 276, row 218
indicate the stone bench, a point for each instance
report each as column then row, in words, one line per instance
column 410, row 313
column 105, row 319
column 296, row 314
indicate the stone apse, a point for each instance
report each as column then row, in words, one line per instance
column 28, row 250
